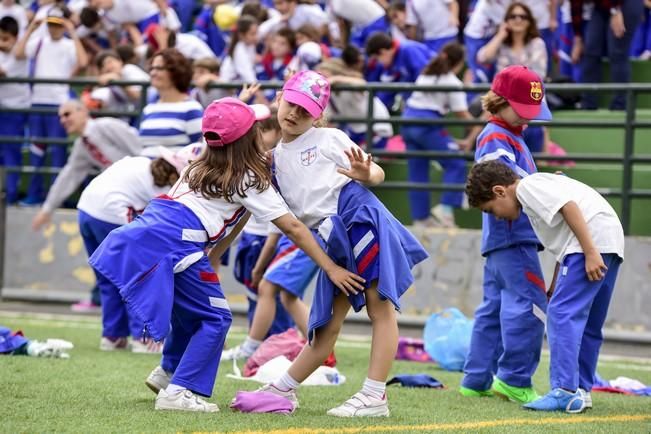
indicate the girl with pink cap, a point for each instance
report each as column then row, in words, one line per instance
column 158, row 261
column 322, row 176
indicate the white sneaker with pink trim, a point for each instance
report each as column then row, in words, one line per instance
column 362, row 405
column 158, row 379
column 184, row 400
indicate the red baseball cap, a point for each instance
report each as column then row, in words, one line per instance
column 230, row 118
column 524, row 91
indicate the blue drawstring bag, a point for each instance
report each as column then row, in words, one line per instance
column 447, row 338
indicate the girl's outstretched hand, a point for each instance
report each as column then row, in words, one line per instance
column 349, row 283
column 360, row 167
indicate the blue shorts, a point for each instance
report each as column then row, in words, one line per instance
column 291, row 268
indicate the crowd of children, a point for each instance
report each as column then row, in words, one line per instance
column 297, row 190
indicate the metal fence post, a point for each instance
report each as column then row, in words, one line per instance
column 627, row 161
column 3, row 226
column 369, row 120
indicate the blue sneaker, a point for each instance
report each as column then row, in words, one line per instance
column 559, row 400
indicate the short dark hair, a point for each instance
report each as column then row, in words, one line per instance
column 483, row 177
column 103, row 55
column 89, row 17
column 126, row 53
column 9, row 25
column 179, row 67
column 289, row 35
column 378, row 41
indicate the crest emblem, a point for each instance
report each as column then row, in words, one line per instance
column 308, row 156
column 536, row 91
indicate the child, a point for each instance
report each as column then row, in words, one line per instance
column 321, row 174
column 111, row 200
column 274, row 63
column 205, row 71
column 158, row 260
column 239, row 65
column 12, row 95
column 52, row 56
column 436, row 20
column 583, row 232
column 441, row 70
column 512, row 312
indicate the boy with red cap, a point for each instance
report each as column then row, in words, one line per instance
column 158, row 261
column 509, row 323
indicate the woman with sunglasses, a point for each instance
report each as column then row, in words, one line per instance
column 518, row 42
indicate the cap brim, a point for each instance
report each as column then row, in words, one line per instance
column 170, row 156
column 54, row 20
column 533, row 112
column 307, row 103
column 260, row 111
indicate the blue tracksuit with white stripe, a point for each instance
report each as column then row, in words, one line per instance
column 509, row 323
column 166, row 279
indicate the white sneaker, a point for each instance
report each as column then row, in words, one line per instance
column 108, row 345
column 184, row 400
column 361, row 405
column 289, row 394
column 443, row 217
column 587, row 398
column 158, row 379
column 149, row 346
column 235, row 353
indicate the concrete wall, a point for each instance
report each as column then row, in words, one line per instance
column 52, row 265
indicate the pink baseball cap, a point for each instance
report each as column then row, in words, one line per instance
column 308, row 89
column 182, row 157
column 230, row 118
column 524, row 91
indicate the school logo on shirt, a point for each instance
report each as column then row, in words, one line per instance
column 536, row 90
column 308, row 156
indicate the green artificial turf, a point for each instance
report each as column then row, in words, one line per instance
column 99, row 392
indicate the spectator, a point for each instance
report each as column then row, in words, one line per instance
column 294, row 15
column 399, row 62
column 568, row 67
column 159, row 38
column 97, row 32
column 480, row 29
column 112, row 68
column 354, row 104
column 205, row 72
column 9, row 8
column 12, row 95
column 365, row 17
column 436, row 22
column 517, row 42
column 239, row 65
column 610, row 29
column 206, row 28
column 174, row 120
column 442, row 70
column 52, row 56
column 276, row 60
column 398, row 16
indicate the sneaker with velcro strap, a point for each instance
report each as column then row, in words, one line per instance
column 183, row 400
column 158, row 379
column 362, row 405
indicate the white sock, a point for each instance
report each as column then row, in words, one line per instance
column 173, row 389
column 373, row 388
column 250, row 345
column 286, row 383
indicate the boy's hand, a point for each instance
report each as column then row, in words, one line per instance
column 594, row 266
column 349, row 283
column 360, row 167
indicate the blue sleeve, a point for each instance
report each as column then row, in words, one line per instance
column 419, row 57
column 492, row 146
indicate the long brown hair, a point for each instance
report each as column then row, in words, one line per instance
column 532, row 30
column 451, row 55
column 163, row 173
column 226, row 171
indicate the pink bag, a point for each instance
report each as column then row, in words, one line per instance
column 287, row 344
column 412, row 349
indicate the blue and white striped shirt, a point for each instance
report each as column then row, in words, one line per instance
column 171, row 124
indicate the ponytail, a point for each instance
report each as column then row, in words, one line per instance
column 450, row 56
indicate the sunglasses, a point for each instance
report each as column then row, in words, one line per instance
column 523, row 17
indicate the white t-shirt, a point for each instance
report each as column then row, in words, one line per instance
column 18, row 13
column 254, row 227
column 540, row 10
column 240, row 66
column 219, row 217
column 15, row 95
column 303, row 14
column 542, row 195
column 306, row 171
column 486, row 18
column 54, row 59
column 432, row 16
column 192, row 47
column 359, row 12
column 129, row 11
column 124, row 187
column 442, row 102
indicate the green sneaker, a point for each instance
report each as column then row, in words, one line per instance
column 472, row 393
column 521, row 395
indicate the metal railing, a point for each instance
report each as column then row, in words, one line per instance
column 627, row 158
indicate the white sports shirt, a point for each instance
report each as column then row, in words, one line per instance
column 542, row 195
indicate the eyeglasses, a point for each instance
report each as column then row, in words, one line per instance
column 158, row 68
column 523, row 17
column 65, row 114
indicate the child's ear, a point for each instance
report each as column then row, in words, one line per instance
column 499, row 191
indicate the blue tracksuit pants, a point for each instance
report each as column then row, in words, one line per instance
column 509, row 323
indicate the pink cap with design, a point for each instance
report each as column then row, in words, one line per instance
column 308, row 89
column 183, row 156
column 230, row 118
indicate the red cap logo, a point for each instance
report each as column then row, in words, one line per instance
column 536, row 91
